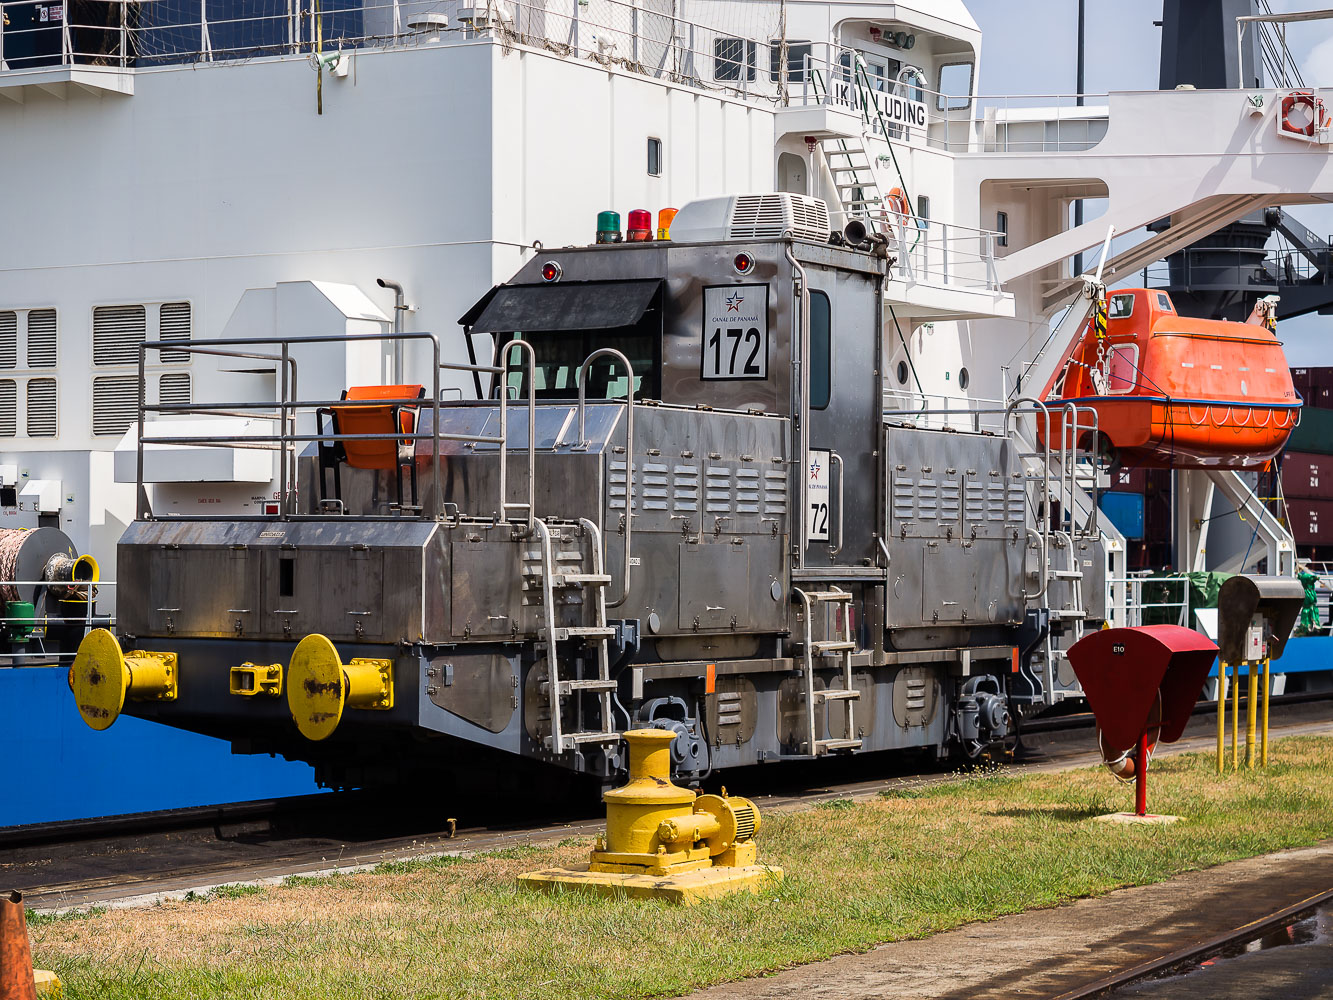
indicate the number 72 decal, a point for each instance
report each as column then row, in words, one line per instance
column 734, row 338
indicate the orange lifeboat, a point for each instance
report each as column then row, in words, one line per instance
column 1172, row 391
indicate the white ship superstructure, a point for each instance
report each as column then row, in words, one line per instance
column 173, row 175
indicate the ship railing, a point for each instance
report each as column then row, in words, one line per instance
column 1149, row 599
column 736, row 55
column 1202, row 268
column 285, row 410
column 13, row 625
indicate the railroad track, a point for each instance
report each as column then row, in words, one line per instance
column 133, row 860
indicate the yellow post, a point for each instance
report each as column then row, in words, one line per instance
column 1221, row 715
column 1251, row 721
column 1268, row 686
column 1235, row 715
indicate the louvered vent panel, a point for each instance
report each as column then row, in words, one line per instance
column 174, row 324
column 9, row 408
column 173, row 388
column 757, row 216
column 9, row 339
column 117, row 333
column 42, row 338
column 115, row 403
column 771, row 216
column 41, row 407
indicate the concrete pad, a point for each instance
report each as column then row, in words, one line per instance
column 687, row 887
column 1134, row 819
column 1046, row 953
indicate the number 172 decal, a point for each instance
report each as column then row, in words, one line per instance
column 734, row 341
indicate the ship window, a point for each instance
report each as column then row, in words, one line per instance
column 902, row 372
column 1164, row 302
column 9, row 418
column 1121, row 307
column 654, row 157
column 174, row 324
column 821, row 366
column 733, row 59
column 1124, row 369
column 955, row 87
column 963, row 378
column 41, row 407
column 117, row 333
column 115, row 403
column 922, row 211
column 797, row 54
column 9, row 339
column 42, row 338
column 1002, row 229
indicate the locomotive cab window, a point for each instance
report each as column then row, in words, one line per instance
column 567, row 322
column 821, row 366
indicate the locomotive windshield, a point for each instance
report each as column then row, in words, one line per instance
column 567, row 321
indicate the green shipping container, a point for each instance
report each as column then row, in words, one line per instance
column 1315, row 433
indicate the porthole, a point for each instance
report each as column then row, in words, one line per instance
column 902, row 372
column 962, row 378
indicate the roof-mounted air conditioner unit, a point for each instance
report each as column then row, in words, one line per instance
column 752, row 217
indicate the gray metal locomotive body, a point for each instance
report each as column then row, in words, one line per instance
column 750, row 553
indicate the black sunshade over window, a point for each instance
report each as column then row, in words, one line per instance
column 592, row 305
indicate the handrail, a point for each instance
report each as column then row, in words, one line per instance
column 287, row 406
column 836, row 459
column 611, row 352
column 1045, row 554
column 531, row 353
column 803, row 417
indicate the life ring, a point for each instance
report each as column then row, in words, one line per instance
column 896, row 202
column 1306, row 120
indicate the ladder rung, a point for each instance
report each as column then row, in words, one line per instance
column 824, row 746
column 571, row 740
column 831, row 646
column 829, row 595
column 574, row 631
column 1066, row 574
column 580, row 579
column 837, row 694
column 587, row 685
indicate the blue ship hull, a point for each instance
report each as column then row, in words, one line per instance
column 55, row 768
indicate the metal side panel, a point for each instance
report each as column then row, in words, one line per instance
column 350, row 580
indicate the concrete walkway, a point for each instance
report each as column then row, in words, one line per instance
column 1045, row 953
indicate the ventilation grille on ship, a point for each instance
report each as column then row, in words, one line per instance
column 772, row 216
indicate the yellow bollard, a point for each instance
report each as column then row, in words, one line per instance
column 1221, row 716
column 1235, row 714
column 1251, row 721
column 1268, row 686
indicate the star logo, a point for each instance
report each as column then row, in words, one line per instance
column 734, row 302
column 814, row 469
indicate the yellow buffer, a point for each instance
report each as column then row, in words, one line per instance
column 320, row 686
column 102, row 677
column 663, row 842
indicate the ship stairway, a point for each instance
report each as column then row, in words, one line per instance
column 854, row 176
column 1270, row 537
column 838, row 646
column 569, row 694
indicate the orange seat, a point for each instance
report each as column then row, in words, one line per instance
column 391, row 452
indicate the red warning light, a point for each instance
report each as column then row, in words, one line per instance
column 551, row 271
column 743, row 263
column 640, row 228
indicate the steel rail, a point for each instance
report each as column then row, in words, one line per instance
column 1200, row 949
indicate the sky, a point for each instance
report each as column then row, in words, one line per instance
column 1028, row 47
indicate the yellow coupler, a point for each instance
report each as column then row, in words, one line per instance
column 663, row 842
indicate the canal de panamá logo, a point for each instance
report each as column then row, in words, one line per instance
column 734, row 302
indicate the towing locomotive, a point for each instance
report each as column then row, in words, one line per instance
column 678, row 501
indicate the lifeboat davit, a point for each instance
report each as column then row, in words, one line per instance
column 1172, row 391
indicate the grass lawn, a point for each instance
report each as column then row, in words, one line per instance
column 906, row 864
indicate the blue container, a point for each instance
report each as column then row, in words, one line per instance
column 1126, row 512
column 56, row 768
